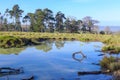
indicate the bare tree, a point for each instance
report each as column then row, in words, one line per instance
column 89, row 23
column 107, row 30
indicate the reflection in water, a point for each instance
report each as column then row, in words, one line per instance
column 81, row 59
column 44, row 46
column 96, row 46
column 5, row 71
column 58, row 64
column 59, row 44
column 47, row 45
column 11, row 50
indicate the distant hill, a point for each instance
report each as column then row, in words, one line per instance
column 112, row 28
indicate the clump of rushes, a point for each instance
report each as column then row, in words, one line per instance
column 10, row 41
column 111, row 48
column 114, row 66
column 110, row 63
column 116, row 75
column 106, row 61
column 108, row 41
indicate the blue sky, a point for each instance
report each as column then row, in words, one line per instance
column 106, row 11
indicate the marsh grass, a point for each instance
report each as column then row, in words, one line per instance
column 106, row 61
column 110, row 63
column 116, row 75
column 10, row 41
column 115, row 66
column 111, row 49
column 112, row 41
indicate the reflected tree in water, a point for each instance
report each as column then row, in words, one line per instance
column 59, row 44
column 45, row 46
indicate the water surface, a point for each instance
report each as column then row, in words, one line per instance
column 53, row 60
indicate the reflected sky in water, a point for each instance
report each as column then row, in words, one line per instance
column 52, row 60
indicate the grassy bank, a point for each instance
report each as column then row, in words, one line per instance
column 112, row 41
column 82, row 37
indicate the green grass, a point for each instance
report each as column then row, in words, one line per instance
column 82, row 37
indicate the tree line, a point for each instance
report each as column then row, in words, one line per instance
column 43, row 20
